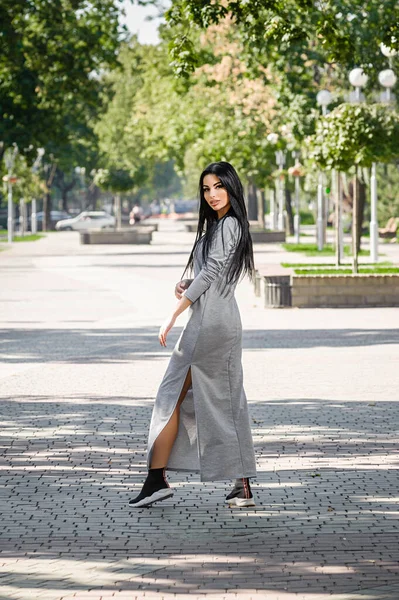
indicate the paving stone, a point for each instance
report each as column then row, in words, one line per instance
column 80, row 365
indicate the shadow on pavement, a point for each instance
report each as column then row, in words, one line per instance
column 95, row 345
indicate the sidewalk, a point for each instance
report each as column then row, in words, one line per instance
column 80, row 365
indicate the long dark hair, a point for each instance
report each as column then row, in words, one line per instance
column 242, row 261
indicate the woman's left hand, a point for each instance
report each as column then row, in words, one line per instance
column 164, row 330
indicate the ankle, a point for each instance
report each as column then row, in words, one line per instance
column 157, row 475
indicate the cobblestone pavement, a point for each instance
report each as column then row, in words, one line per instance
column 80, row 365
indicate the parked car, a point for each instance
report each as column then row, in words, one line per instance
column 97, row 219
column 55, row 216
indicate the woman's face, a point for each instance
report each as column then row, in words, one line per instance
column 216, row 195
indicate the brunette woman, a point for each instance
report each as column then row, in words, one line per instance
column 200, row 418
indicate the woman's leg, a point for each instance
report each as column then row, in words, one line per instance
column 156, row 487
column 164, row 443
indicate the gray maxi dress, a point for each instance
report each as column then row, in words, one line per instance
column 214, row 436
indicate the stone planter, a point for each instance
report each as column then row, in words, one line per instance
column 344, row 290
column 273, row 284
column 280, row 287
column 262, row 236
column 140, row 235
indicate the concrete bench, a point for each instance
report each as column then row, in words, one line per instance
column 145, row 223
column 139, row 235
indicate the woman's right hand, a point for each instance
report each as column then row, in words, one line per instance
column 180, row 287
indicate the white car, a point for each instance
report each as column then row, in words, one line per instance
column 96, row 219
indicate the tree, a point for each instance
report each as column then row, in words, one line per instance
column 347, row 31
column 50, row 53
column 128, row 129
column 116, row 181
column 29, row 185
column 356, row 135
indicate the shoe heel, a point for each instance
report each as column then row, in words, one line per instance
column 242, row 502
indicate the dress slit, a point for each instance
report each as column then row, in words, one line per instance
column 150, row 449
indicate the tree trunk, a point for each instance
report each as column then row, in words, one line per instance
column 338, row 216
column 252, row 202
column 290, row 214
column 47, row 211
column 92, row 196
column 361, row 206
column 355, row 222
column 261, row 208
column 47, row 198
column 64, row 195
column 358, row 198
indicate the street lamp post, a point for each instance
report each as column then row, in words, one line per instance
column 22, row 216
column 296, row 172
column 358, row 79
column 9, row 159
column 273, row 211
column 35, row 168
column 272, row 138
column 280, row 160
column 387, row 79
column 373, row 215
column 323, row 99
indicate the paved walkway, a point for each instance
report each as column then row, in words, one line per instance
column 80, row 365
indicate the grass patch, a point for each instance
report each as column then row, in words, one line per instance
column 28, row 238
column 346, row 271
column 328, row 250
column 385, row 263
column 305, row 265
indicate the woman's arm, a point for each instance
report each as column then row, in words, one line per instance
column 167, row 326
column 223, row 243
column 181, row 286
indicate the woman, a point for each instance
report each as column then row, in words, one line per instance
column 200, row 419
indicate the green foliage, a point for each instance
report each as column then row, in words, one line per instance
column 355, row 134
column 346, row 31
column 388, row 192
column 29, row 185
column 51, row 53
column 136, row 131
column 307, row 217
column 114, row 180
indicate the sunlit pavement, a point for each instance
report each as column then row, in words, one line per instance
column 80, row 365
